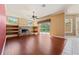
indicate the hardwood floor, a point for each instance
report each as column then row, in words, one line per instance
column 29, row 45
column 34, row 45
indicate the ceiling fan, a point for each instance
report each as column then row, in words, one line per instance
column 34, row 16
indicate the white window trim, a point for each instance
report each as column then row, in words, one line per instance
column 77, row 34
column 71, row 27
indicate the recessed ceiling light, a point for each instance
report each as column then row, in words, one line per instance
column 43, row 5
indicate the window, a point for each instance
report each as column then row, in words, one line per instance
column 30, row 22
column 44, row 27
column 12, row 20
column 68, row 25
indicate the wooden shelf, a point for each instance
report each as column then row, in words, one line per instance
column 12, row 30
column 35, row 29
column 13, row 35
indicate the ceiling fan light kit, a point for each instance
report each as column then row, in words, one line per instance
column 33, row 16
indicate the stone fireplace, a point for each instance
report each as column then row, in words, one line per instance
column 24, row 30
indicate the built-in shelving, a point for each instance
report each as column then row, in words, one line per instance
column 35, row 30
column 12, row 30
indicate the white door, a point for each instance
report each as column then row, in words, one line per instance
column 77, row 26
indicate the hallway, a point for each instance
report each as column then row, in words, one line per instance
column 33, row 45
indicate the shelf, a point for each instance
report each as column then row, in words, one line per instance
column 12, row 30
column 11, row 35
column 12, row 24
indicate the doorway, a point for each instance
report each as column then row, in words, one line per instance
column 44, row 27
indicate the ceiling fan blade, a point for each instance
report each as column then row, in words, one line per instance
column 34, row 17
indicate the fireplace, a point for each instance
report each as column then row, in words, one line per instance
column 24, row 31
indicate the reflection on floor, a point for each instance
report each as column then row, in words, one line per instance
column 72, row 46
column 35, row 45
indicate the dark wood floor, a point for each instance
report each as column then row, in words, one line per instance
column 29, row 45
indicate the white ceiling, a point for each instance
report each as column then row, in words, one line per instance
column 26, row 10
column 73, row 9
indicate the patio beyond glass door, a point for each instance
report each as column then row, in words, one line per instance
column 45, row 27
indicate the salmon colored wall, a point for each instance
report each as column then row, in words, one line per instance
column 2, row 9
column 2, row 26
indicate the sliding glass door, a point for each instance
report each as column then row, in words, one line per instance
column 45, row 27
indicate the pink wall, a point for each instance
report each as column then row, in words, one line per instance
column 2, row 26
